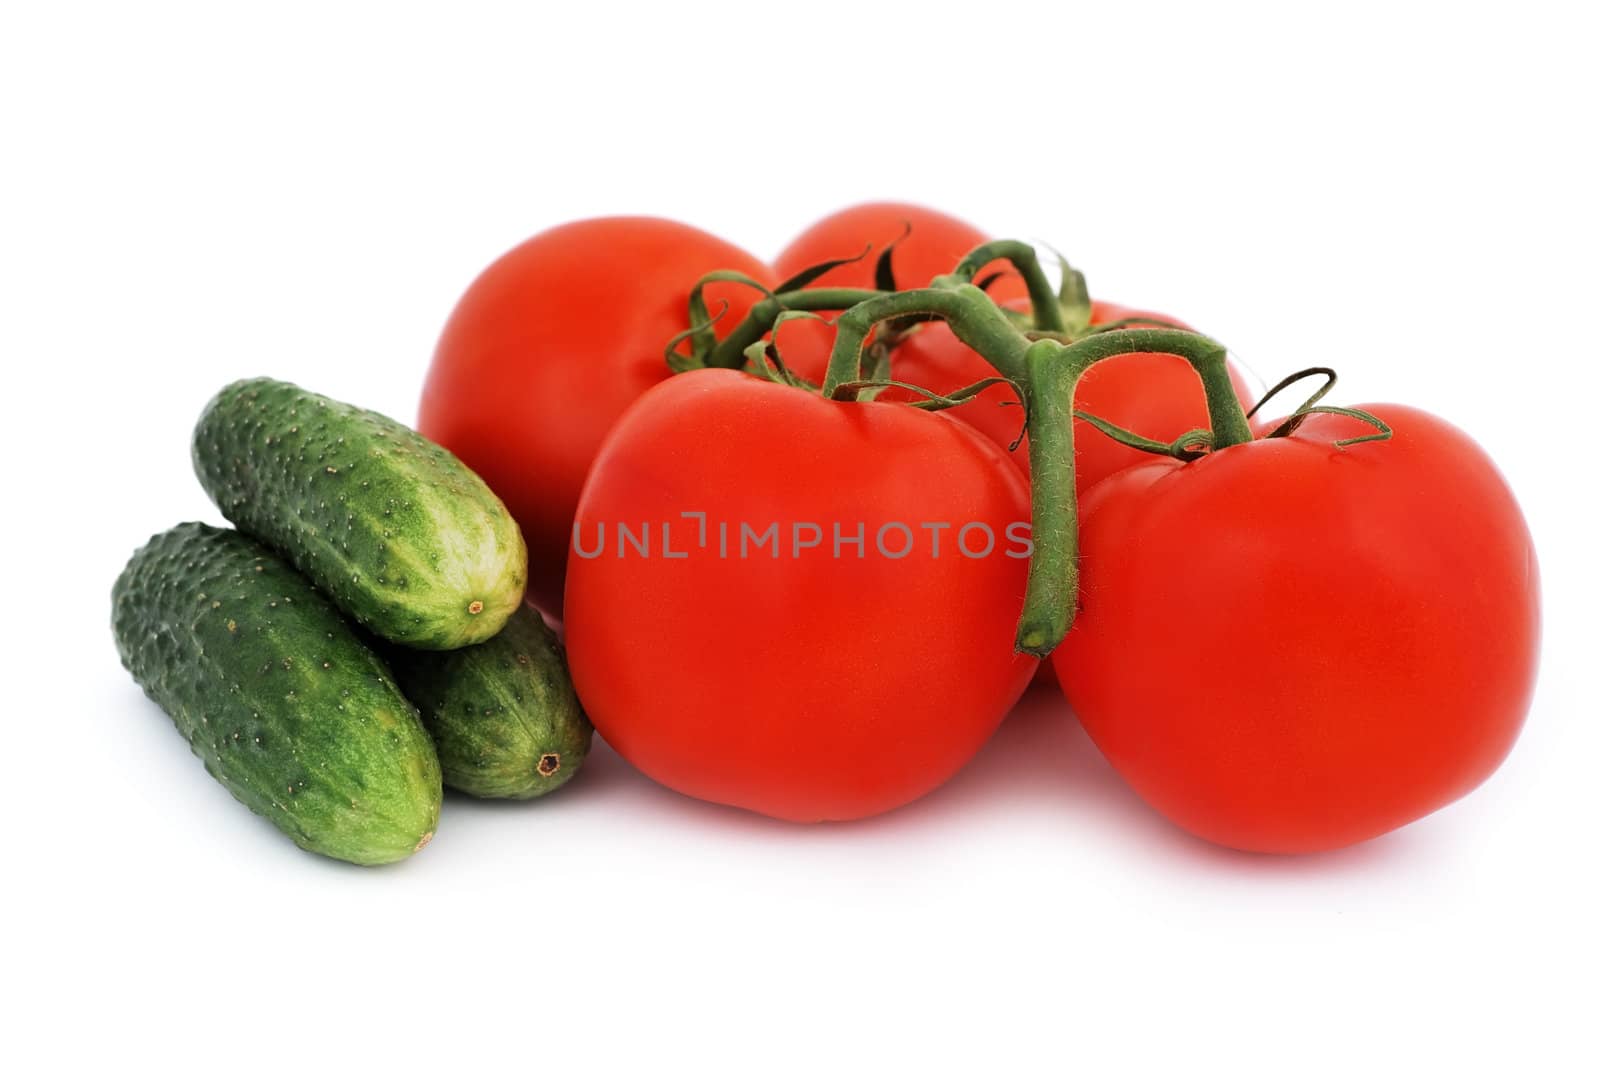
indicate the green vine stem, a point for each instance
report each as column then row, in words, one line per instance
column 973, row 318
column 1041, row 295
column 1209, row 358
column 763, row 317
column 1050, row 383
column 1050, row 380
column 1046, row 372
column 1049, row 308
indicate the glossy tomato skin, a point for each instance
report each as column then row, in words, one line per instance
column 549, row 345
column 1155, row 394
column 935, row 244
column 1288, row 647
column 809, row 687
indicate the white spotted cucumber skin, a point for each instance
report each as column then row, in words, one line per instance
column 394, row 529
column 277, row 694
column 502, row 713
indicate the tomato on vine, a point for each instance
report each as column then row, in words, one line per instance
column 1291, row 645
column 1290, row 638
column 1286, row 643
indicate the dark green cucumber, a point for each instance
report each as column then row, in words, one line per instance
column 502, row 713
column 394, row 529
column 277, row 694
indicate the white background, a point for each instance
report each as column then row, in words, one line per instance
column 194, row 194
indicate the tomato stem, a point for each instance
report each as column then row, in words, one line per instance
column 1045, row 371
column 1047, row 315
column 972, row 316
column 763, row 317
column 1049, row 382
column 1208, row 358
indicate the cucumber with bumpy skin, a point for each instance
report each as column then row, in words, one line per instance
column 394, row 529
column 502, row 713
column 277, row 694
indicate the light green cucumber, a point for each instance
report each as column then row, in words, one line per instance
column 502, row 713
column 277, row 694
column 394, row 529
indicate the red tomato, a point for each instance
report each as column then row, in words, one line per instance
column 936, row 243
column 804, row 686
column 546, row 349
column 1289, row 647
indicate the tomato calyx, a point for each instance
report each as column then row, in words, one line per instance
column 1293, row 421
column 1190, row 446
column 766, row 362
column 1062, row 312
column 705, row 351
column 791, row 295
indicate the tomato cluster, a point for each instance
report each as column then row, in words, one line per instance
column 811, row 526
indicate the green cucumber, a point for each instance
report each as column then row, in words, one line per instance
column 277, row 694
column 502, row 713
column 394, row 529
